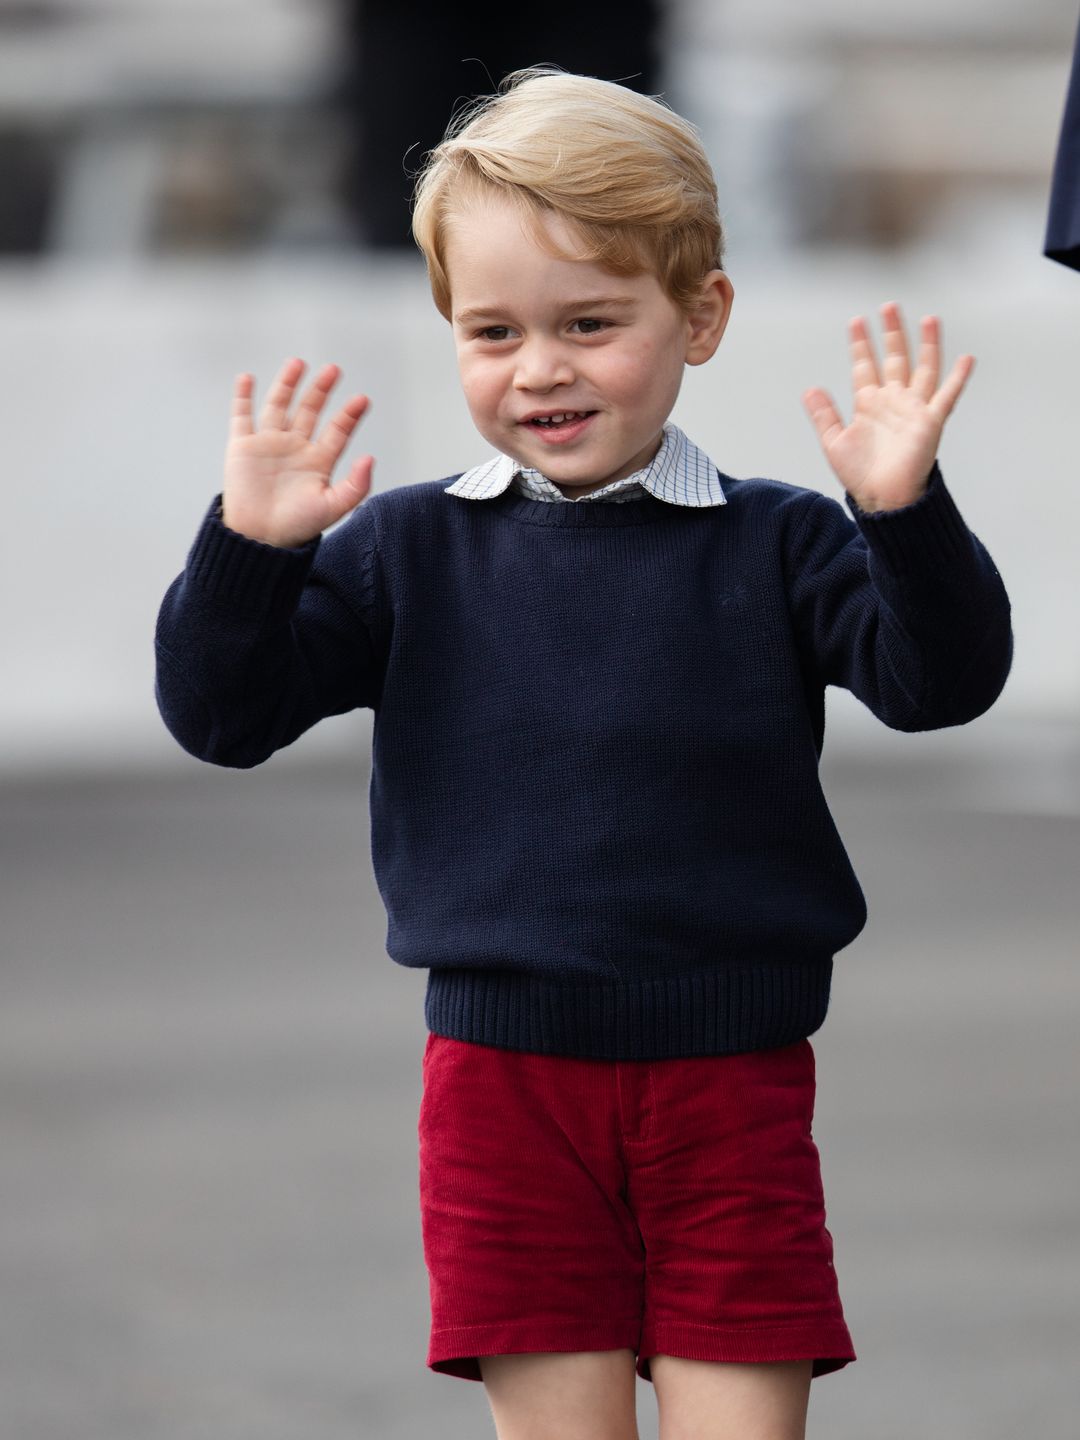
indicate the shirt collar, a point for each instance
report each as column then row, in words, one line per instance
column 679, row 473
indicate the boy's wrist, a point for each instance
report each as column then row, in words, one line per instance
column 869, row 506
column 273, row 541
column 925, row 535
column 242, row 573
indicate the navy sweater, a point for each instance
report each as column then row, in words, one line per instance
column 596, row 815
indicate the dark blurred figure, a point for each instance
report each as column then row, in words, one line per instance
column 1063, row 225
column 28, row 166
column 411, row 65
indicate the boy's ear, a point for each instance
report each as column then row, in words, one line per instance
column 708, row 319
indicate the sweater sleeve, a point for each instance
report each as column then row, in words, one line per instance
column 254, row 643
column 904, row 608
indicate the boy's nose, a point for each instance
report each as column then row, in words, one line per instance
column 541, row 366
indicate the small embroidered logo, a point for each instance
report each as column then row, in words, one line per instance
column 737, row 596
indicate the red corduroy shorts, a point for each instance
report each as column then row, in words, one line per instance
column 666, row 1206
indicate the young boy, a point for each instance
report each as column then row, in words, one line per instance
column 595, row 806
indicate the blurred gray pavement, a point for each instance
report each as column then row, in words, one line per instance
column 210, row 1077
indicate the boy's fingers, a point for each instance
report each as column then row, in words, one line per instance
column 240, row 412
column 313, row 400
column 823, row 414
column 943, row 402
column 925, row 379
column 897, row 365
column 864, row 369
column 272, row 416
column 336, row 432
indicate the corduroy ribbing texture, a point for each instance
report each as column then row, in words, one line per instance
column 596, row 816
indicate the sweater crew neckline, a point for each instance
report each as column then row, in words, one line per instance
column 578, row 515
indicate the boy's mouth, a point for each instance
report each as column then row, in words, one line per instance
column 559, row 424
column 559, row 417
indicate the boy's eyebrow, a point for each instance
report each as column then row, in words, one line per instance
column 588, row 302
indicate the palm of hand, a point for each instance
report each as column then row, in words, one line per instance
column 277, row 479
column 281, row 476
column 892, row 437
column 883, row 458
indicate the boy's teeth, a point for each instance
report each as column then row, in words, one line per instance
column 559, row 419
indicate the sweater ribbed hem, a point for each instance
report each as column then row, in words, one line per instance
column 724, row 1011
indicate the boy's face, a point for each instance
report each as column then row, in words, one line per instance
column 567, row 368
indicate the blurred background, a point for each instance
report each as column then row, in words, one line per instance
column 210, row 1069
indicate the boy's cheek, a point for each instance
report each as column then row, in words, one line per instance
column 476, row 378
column 483, row 390
column 637, row 364
column 486, row 421
column 480, row 399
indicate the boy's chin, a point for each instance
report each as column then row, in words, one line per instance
column 563, row 475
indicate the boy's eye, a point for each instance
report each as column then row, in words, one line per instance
column 495, row 332
column 590, row 326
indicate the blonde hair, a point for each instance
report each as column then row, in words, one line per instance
column 628, row 174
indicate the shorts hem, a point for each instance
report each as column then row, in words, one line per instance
column 458, row 1349
column 828, row 1346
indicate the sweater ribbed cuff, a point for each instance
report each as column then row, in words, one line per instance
column 926, row 535
column 247, row 574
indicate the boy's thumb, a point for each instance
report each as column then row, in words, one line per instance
column 355, row 486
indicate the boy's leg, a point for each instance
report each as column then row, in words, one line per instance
column 713, row 1400
column 587, row 1395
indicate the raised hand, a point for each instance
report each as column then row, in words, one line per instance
column 277, row 478
column 883, row 458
